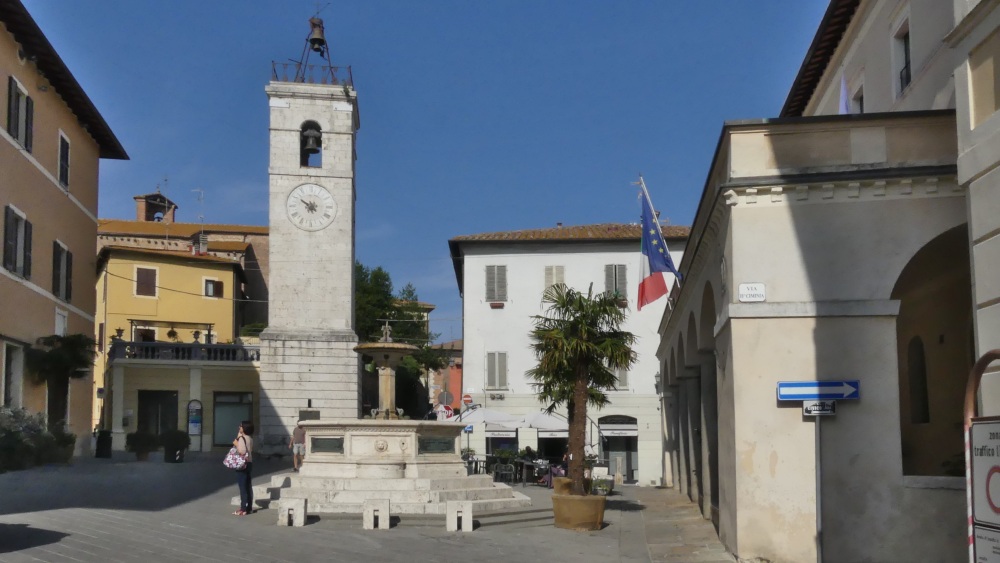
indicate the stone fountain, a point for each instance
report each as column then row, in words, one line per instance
column 415, row 464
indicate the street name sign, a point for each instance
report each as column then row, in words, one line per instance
column 819, row 408
column 818, row 390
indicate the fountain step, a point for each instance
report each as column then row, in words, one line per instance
column 511, row 501
column 342, row 484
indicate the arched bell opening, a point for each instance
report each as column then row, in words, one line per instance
column 311, row 145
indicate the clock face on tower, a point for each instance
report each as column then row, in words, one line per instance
column 310, row 207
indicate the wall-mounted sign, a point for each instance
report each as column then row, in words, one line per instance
column 819, row 408
column 751, row 293
column 985, row 444
column 194, row 417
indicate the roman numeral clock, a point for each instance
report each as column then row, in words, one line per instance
column 311, row 207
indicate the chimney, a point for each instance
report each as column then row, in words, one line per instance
column 559, row 225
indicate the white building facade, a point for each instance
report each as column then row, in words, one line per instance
column 502, row 277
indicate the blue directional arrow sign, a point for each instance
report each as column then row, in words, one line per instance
column 818, row 390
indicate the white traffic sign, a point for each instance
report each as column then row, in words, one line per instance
column 987, row 544
column 751, row 292
column 819, row 408
column 985, row 444
column 818, row 390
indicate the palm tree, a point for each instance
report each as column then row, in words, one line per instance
column 579, row 343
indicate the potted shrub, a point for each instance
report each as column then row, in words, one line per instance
column 141, row 443
column 174, row 443
column 579, row 344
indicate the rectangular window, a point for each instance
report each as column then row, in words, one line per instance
column 145, row 335
column 100, row 337
column 9, row 375
column 229, row 410
column 496, row 370
column 496, row 283
column 16, row 243
column 554, row 275
column 984, row 78
column 614, row 279
column 145, row 282
column 63, row 160
column 901, row 57
column 213, row 288
column 20, row 113
column 622, row 375
column 62, row 322
column 62, row 271
column 858, row 100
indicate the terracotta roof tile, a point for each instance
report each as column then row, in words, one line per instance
column 171, row 254
column 159, row 228
column 227, row 246
column 600, row 232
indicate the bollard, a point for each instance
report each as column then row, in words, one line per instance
column 459, row 510
column 292, row 512
column 376, row 511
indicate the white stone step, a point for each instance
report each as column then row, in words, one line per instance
column 471, row 494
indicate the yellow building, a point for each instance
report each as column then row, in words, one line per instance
column 51, row 141
column 167, row 321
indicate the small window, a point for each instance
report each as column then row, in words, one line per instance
column 20, row 113
column 62, row 271
column 920, row 412
column 615, row 280
column 213, row 288
column 100, row 337
column 63, row 160
column 496, row 283
column 858, row 100
column 901, row 57
column 145, row 282
column 554, row 275
column 496, row 370
column 145, row 335
column 622, row 375
column 16, row 243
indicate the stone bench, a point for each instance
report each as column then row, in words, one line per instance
column 292, row 512
column 376, row 508
column 459, row 509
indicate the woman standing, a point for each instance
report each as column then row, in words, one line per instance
column 244, row 445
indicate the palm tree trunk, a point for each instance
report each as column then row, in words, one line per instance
column 578, row 430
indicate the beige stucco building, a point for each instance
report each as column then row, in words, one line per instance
column 51, row 142
column 851, row 238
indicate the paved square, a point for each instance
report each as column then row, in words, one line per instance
column 123, row 510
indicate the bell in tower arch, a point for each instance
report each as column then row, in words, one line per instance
column 311, row 145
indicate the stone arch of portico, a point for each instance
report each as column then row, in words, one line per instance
column 709, row 405
column 934, row 353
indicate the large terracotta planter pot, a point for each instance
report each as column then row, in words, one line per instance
column 564, row 486
column 579, row 512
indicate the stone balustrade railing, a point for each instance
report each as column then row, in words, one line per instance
column 171, row 351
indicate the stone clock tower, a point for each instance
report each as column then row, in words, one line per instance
column 307, row 356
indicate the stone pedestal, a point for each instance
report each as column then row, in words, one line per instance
column 299, row 370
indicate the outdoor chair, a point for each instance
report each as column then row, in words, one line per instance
column 503, row 472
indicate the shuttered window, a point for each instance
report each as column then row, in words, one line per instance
column 64, row 161
column 213, row 288
column 62, row 271
column 20, row 113
column 145, row 282
column 496, row 370
column 554, row 275
column 496, row 283
column 614, row 279
column 16, row 243
column 622, row 376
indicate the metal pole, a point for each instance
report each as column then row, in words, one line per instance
column 819, row 495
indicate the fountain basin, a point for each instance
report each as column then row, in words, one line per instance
column 383, row 449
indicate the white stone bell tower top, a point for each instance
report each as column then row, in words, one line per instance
column 311, row 285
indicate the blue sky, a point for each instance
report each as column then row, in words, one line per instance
column 475, row 116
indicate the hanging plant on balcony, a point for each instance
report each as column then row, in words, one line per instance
column 57, row 359
column 172, row 334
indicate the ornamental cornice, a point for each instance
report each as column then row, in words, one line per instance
column 841, row 192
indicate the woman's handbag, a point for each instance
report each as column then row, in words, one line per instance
column 235, row 460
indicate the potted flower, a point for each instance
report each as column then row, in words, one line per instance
column 579, row 345
column 174, row 443
column 141, row 443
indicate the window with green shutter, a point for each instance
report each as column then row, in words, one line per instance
column 16, row 243
column 496, row 283
column 496, row 370
column 20, row 113
column 615, row 280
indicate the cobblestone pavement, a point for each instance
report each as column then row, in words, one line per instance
column 123, row 510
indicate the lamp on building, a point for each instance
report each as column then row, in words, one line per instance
column 659, row 384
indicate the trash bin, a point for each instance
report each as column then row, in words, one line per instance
column 103, row 448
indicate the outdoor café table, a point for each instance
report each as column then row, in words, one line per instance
column 527, row 470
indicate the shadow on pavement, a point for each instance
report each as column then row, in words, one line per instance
column 122, row 483
column 625, row 505
column 15, row 537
